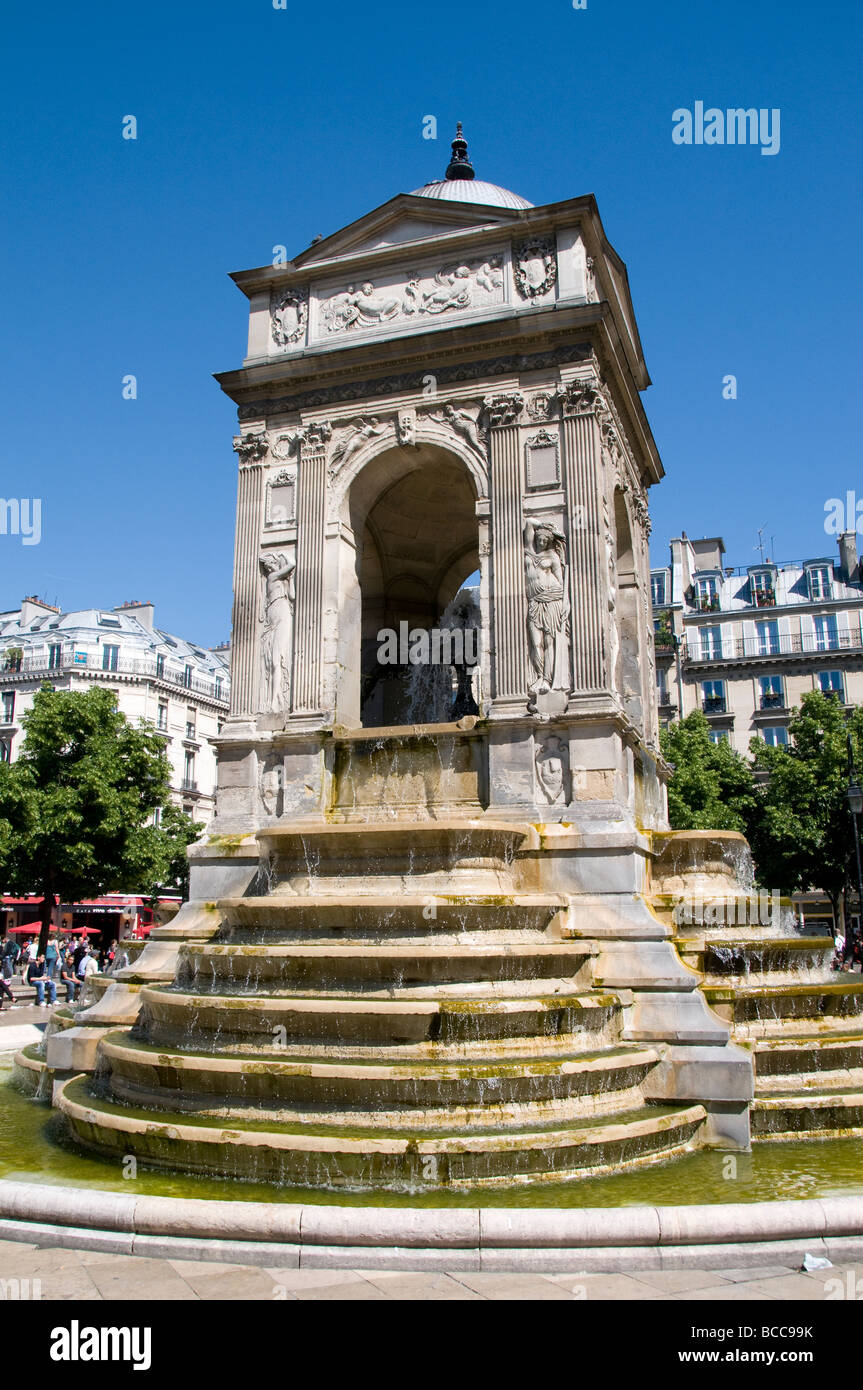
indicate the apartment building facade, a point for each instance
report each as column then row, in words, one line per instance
column 180, row 688
column 744, row 644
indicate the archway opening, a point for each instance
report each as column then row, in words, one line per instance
column 413, row 515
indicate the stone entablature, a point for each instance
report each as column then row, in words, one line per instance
column 339, row 293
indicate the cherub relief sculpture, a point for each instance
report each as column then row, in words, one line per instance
column 359, row 434
column 552, row 762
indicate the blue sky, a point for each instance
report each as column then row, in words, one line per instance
column 259, row 126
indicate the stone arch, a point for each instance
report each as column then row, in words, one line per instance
column 412, row 517
column 429, row 432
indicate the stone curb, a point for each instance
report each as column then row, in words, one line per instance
column 590, row 1239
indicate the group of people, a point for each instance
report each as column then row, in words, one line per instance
column 66, row 963
column 848, row 953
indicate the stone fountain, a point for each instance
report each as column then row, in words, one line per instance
column 426, row 952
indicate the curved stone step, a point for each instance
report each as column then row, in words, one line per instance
column 171, row 1014
column 307, row 1157
column 142, row 1074
column 323, row 965
column 380, row 916
column 765, row 1010
column 826, row 1113
column 798, row 1064
column 771, row 961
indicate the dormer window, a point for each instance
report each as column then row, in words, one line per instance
column 707, row 594
column 657, row 590
column 763, row 588
column 820, row 582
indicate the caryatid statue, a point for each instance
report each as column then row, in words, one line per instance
column 547, row 607
column 277, row 641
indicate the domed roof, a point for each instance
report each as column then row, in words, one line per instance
column 472, row 191
column 460, row 185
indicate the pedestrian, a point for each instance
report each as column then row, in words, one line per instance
column 5, row 992
column 80, row 952
column 52, row 958
column 37, row 975
column 11, row 952
column 69, row 979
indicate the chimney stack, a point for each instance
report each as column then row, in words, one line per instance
column 848, row 556
column 144, row 612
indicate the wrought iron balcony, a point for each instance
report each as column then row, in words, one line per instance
column 761, row 648
column 34, row 666
column 714, row 704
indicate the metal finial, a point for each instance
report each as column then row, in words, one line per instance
column 459, row 166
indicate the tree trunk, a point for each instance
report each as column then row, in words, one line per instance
column 45, row 914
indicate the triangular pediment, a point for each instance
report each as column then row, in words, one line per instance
column 404, row 220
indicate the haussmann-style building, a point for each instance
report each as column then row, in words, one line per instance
column 181, row 688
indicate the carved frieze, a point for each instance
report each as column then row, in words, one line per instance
column 395, row 383
column 534, row 267
column 289, row 315
column 415, row 294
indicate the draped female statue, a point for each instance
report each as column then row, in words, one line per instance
column 277, row 616
column 547, row 607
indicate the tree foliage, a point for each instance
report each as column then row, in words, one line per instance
column 76, row 808
column 712, row 786
column 801, row 830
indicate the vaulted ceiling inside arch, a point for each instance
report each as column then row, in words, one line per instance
column 419, row 543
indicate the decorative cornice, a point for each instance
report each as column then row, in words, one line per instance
column 414, row 381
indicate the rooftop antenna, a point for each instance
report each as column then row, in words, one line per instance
column 760, row 546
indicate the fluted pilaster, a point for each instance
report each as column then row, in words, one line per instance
column 509, row 597
column 252, row 451
column 583, row 481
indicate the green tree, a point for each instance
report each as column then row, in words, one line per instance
column 712, row 786
column 800, row 830
column 77, row 801
column 166, row 867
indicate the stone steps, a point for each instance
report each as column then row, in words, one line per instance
column 406, row 914
column 147, row 1076
column 171, row 1014
column 827, row 1112
column 305, row 1156
column 360, row 964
